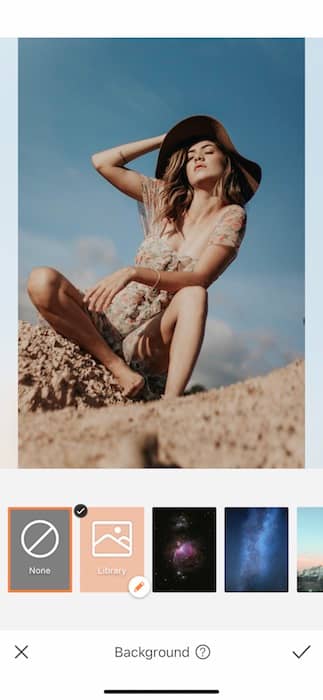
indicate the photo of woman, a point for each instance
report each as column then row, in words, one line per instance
column 146, row 323
column 161, row 253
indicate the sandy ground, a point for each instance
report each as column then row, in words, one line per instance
column 73, row 415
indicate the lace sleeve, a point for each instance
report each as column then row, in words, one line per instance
column 151, row 188
column 230, row 228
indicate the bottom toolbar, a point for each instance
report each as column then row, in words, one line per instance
column 231, row 665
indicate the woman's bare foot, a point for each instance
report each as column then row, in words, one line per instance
column 131, row 382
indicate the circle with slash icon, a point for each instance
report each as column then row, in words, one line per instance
column 39, row 539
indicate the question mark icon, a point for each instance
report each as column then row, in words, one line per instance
column 202, row 651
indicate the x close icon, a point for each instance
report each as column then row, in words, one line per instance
column 21, row 652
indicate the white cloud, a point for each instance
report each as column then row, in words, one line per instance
column 39, row 249
column 94, row 250
column 221, row 357
column 89, row 259
column 227, row 356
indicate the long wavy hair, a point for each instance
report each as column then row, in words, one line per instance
column 177, row 193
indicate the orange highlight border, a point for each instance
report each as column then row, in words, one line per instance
column 36, row 590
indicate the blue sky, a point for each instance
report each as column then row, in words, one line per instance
column 79, row 96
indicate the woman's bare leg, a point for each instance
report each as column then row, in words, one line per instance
column 187, row 337
column 61, row 304
column 173, row 339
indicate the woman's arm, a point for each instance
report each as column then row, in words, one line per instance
column 209, row 267
column 110, row 164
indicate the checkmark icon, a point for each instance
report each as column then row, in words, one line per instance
column 80, row 510
column 299, row 656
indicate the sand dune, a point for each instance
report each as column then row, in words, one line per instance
column 72, row 414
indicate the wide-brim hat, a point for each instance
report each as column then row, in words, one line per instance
column 201, row 127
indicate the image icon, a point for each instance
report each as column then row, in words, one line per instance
column 112, row 538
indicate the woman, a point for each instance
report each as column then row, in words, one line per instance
column 146, row 322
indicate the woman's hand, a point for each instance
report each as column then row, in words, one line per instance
column 162, row 136
column 100, row 296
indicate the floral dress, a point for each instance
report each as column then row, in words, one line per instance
column 125, row 319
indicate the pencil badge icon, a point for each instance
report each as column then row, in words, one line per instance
column 139, row 586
